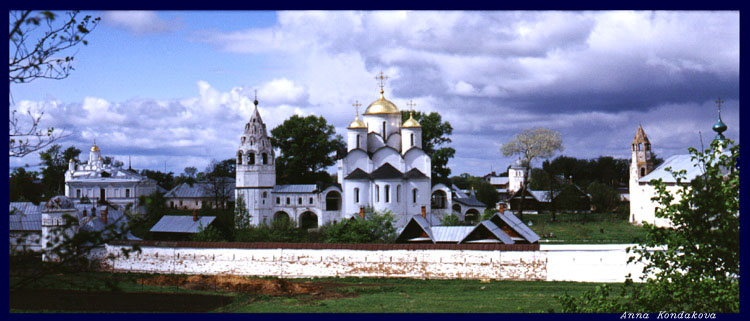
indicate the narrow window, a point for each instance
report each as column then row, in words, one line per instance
column 265, row 158
column 377, row 193
column 643, row 171
column 78, row 193
column 398, row 193
column 384, row 137
column 265, row 194
column 278, row 200
column 239, row 158
column 127, row 192
column 388, row 193
column 356, row 195
column 288, row 201
column 357, row 140
column 414, row 195
column 251, row 159
column 311, row 200
column 299, row 201
column 412, row 139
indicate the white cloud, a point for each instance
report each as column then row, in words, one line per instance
column 139, row 22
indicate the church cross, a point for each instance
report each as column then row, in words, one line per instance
column 411, row 104
column 356, row 105
column 719, row 102
column 381, row 79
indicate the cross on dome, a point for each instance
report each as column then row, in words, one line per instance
column 381, row 80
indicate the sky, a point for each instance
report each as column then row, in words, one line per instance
column 172, row 89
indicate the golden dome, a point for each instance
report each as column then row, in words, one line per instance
column 357, row 124
column 381, row 106
column 411, row 122
column 94, row 148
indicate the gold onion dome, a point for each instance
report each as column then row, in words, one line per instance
column 381, row 106
column 357, row 123
column 95, row 148
column 411, row 122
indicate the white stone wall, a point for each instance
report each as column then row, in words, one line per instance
column 581, row 263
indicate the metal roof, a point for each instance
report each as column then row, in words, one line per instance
column 492, row 228
column 419, row 222
column 469, row 201
column 320, row 246
column 499, row 180
column 295, row 188
column 181, row 224
column 513, row 222
column 458, row 191
column 358, row 174
column 386, row 171
column 451, row 234
column 198, row 190
column 25, row 208
column 676, row 163
column 31, row 222
column 28, row 217
column 414, row 174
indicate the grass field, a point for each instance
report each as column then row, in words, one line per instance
column 281, row 296
column 572, row 228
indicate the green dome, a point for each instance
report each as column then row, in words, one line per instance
column 720, row 127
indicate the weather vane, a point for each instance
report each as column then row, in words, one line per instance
column 381, row 80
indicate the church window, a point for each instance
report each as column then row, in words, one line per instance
column 643, row 171
column 311, row 200
column 384, row 137
column 299, row 201
column 78, row 193
column 357, row 140
column 265, row 158
column 356, row 195
column 288, row 201
column 414, row 195
column 239, row 157
column 265, row 194
column 196, row 203
column 377, row 193
column 412, row 139
column 251, row 159
column 387, row 193
column 278, row 200
column 127, row 192
column 398, row 193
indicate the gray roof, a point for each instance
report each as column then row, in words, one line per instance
column 25, row 208
column 295, row 188
column 20, row 222
column 452, row 234
column 415, row 174
column 513, row 222
column 499, row 180
column 541, row 196
column 181, row 224
column 458, row 191
column 676, row 163
column 358, row 174
column 492, row 228
column 29, row 216
column 469, row 201
column 421, row 223
column 198, row 190
column 386, row 171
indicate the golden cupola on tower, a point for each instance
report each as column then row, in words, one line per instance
column 94, row 148
column 411, row 122
column 357, row 123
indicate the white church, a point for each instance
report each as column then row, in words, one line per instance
column 642, row 171
column 385, row 168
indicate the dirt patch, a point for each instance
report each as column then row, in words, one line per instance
column 234, row 283
column 102, row 301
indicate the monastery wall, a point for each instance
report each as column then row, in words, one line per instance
column 584, row 263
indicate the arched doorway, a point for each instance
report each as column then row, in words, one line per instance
column 438, row 199
column 472, row 216
column 333, row 201
column 280, row 216
column 308, row 220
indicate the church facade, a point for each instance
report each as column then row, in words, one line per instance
column 384, row 168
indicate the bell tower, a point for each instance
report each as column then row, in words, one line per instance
column 641, row 160
column 256, row 170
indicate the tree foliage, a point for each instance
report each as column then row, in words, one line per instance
column 308, row 145
column 23, row 187
column 376, row 227
column 530, row 145
column 55, row 162
column 40, row 45
column 165, row 180
column 603, row 197
column 435, row 135
column 450, row 220
column 484, row 191
column 697, row 268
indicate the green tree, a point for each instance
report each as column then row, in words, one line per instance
column 376, row 227
column 603, row 197
column 435, row 134
column 483, row 190
column 308, row 145
column 450, row 220
column 539, row 180
column 165, row 180
column 207, row 234
column 241, row 215
column 532, row 144
column 40, row 46
column 22, row 187
column 698, row 270
column 55, row 162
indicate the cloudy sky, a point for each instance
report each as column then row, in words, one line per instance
column 174, row 89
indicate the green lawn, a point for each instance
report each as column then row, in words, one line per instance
column 342, row 295
column 585, row 228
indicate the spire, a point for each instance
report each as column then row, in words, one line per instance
column 129, row 163
column 256, row 114
column 719, row 127
column 640, row 136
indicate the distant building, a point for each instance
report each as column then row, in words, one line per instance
column 642, row 207
column 194, row 196
column 95, row 180
column 501, row 228
column 180, row 227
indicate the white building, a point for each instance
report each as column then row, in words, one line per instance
column 642, row 207
column 385, row 168
column 95, row 180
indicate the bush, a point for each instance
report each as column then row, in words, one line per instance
column 603, row 197
column 376, row 227
column 450, row 220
